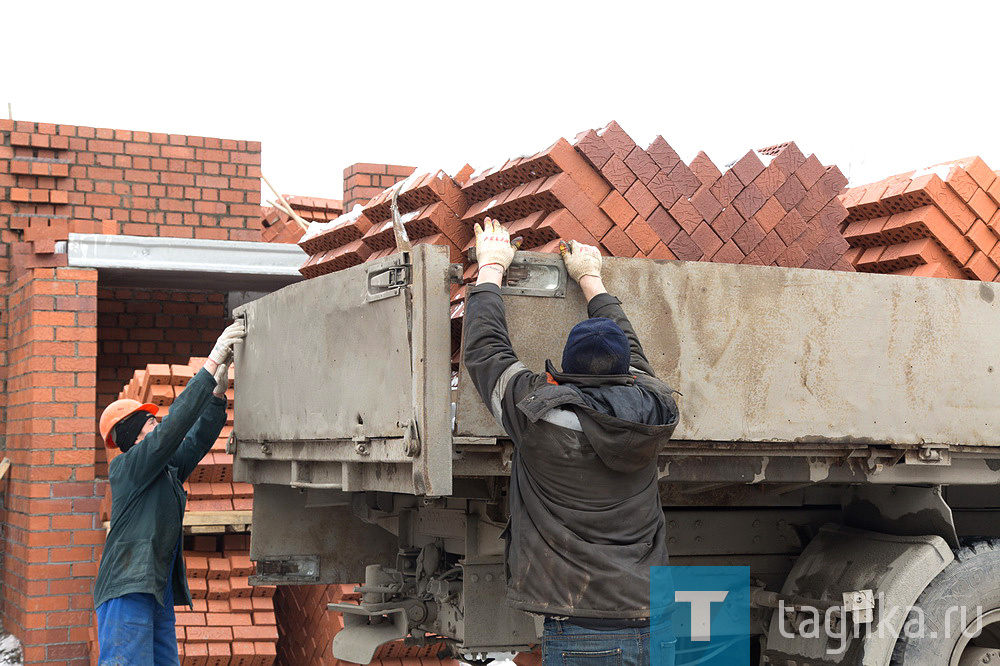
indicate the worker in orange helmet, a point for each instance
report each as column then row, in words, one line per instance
column 142, row 575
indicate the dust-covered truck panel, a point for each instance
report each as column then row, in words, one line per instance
column 345, row 379
column 836, row 437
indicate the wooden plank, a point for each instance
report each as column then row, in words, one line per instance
column 212, row 522
column 198, row 518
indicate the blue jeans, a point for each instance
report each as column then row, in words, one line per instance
column 134, row 630
column 565, row 644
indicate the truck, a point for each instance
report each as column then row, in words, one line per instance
column 838, row 436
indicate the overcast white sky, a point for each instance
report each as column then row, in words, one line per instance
column 877, row 87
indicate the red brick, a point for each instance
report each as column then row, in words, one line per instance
column 618, row 174
column 793, row 257
column 660, row 152
column 684, row 179
column 618, row 209
column 567, row 227
column 594, row 149
column 728, row 254
column 930, row 189
column 617, row 139
column 788, row 159
column 769, row 180
column 663, row 223
column 770, row 247
column 747, row 168
column 748, row 236
column 790, row 193
column 223, row 619
column 619, row 244
column 769, row 214
column 664, row 189
column 706, row 204
column 809, row 172
column 981, row 173
column 923, row 222
column 726, row 224
column 641, row 199
column 686, row 215
column 562, row 154
column 790, row 227
column 706, row 239
column 749, row 201
column 642, row 165
column 704, row 168
column 684, row 248
column 727, row 188
column 962, row 183
column 661, row 253
column 984, row 238
column 982, row 205
column 643, row 235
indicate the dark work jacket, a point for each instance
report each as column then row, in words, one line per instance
column 586, row 522
column 147, row 498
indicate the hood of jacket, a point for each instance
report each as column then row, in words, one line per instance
column 626, row 418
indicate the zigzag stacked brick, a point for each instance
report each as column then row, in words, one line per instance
column 943, row 221
column 552, row 194
column 431, row 205
column 782, row 210
column 306, row 630
column 278, row 226
column 230, row 623
column 210, row 486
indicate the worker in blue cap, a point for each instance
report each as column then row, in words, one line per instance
column 586, row 520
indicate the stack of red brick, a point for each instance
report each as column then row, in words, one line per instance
column 306, row 630
column 431, row 206
column 775, row 207
column 230, row 622
column 211, row 486
column 277, row 226
column 943, row 221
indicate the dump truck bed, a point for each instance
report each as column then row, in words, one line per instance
column 792, row 375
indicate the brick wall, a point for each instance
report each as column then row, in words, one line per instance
column 363, row 181
column 136, row 327
column 51, row 532
column 55, row 180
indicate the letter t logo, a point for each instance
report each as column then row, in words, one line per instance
column 701, row 610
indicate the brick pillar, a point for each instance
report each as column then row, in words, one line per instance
column 51, row 530
column 362, row 181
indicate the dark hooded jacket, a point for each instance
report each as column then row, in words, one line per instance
column 586, row 521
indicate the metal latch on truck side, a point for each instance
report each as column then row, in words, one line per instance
column 929, row 455
column 388, row 281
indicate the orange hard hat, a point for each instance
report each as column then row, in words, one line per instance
column 118, row 411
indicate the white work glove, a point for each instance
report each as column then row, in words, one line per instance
column 580, row 259
column 223, row 349
column 221, row 375
column 493, row 245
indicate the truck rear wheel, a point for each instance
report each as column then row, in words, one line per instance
column 956, row 620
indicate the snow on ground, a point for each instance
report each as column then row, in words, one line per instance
column 10, row 651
